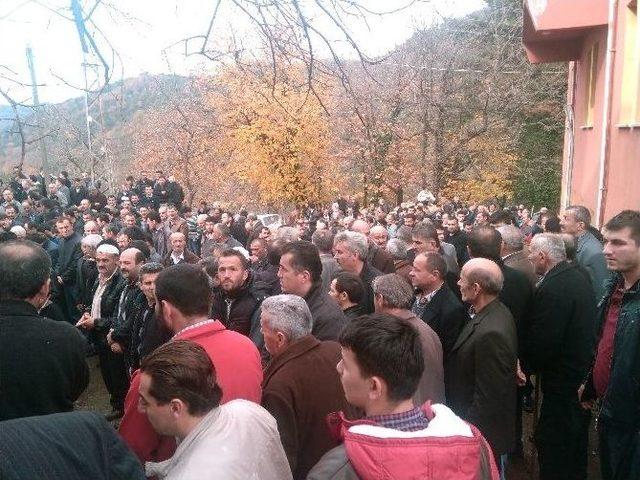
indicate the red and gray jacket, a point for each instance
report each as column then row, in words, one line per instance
column 448, row 448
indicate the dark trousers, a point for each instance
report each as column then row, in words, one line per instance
column 619, row 452
column 114, row 374
column 562, row 438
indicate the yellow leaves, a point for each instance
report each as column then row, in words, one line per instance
column 491, row 170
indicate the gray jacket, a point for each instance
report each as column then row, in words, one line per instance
column 589, row 255
column 329, row 269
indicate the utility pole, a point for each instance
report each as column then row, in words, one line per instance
column 36, row 106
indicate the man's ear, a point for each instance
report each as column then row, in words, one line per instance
column 377, row 388
column 177, row 407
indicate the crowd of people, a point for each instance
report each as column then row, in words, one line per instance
column 350, row 341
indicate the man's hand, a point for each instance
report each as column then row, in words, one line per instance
column 86, row 321
column 521, row 378
column 110, row 337
column 60, row 280
column 587, row 405
column 116, row 347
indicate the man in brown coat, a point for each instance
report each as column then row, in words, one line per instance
column 179, row 252
column 301, row 384
column 394, row 296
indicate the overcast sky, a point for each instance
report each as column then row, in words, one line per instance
column 142, row 29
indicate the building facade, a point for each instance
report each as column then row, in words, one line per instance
column 601, row 41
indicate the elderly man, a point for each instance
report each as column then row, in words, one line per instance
column 513, row 253
column 301, row 385
column 399, row 252
column 179, row 253
column 481, row 368
column 323, row 239
column 379, row 235
column 350, row 249
column 376, row 255
column 393, row 296
column 558, row 345
column 42, row 362
column 435, row 303
column 180, row 395
column 99, row 320
column 300, row 274
column 576, row 220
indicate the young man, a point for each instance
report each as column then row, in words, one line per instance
column 180, row 396
column 380, row 369
column 615, row 377
column 183, row 303
column 347, row 290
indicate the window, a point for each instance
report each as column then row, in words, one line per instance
column 630, row 108
column 592, row 71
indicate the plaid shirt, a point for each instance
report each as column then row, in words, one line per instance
column 409, row 421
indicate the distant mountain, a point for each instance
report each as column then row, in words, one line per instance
column 113, row 108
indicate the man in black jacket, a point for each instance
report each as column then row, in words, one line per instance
column 69, row 252
column 435, row 303
column 300, row 274
column 131, row 302
column 42, row 362
column 558, row 345
column 615, row 375
column 235, row 301
column 99, row 321
column 65, row 446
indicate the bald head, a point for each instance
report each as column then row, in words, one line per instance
column 482, row 275
column 360, row 226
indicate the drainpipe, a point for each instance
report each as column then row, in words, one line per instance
column 569, row 138
column 606, row 111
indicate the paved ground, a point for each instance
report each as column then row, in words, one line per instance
column 96, row 399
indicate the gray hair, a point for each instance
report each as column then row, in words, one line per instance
column 397, row 249
column 395, row 290
column 288, row 234
column 289, row 315
column 356, row 243
column 512, row 237
column 569, row 245
column 92, row 240
column 551, row 244
column 581, row 213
